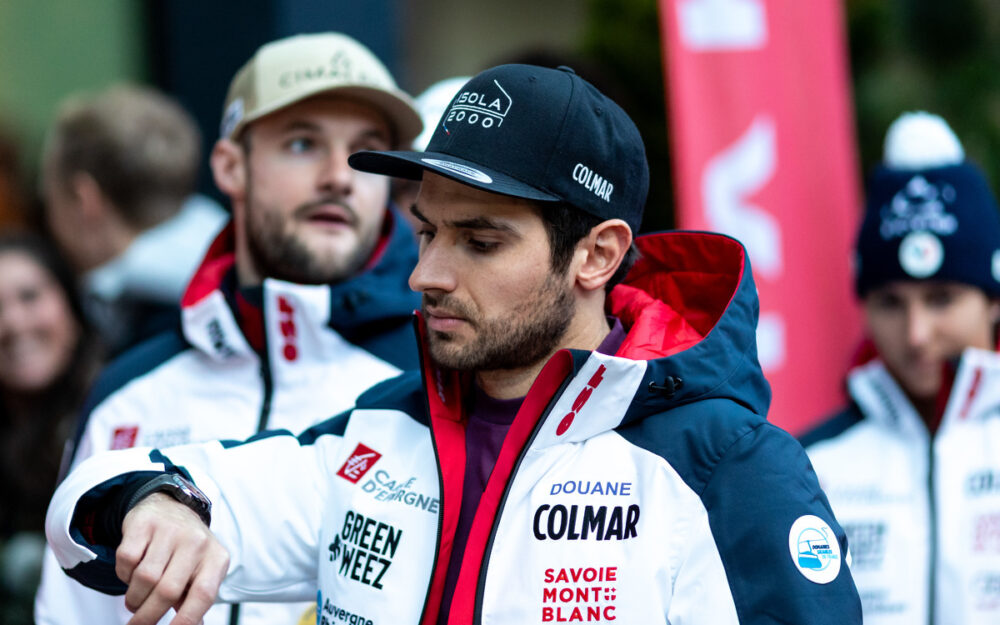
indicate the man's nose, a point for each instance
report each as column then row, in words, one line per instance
column 919, row 326
column 434, row 270
column 335, row 174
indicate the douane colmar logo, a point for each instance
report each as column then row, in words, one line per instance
column 358, row 463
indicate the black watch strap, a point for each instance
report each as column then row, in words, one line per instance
column 178, row 487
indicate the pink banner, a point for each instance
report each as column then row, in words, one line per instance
column 762, row 133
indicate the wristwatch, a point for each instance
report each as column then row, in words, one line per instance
column 180, row 489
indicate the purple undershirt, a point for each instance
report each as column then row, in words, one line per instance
column 489, row 420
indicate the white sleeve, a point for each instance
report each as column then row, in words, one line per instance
column 61, row 600
column 267, row 502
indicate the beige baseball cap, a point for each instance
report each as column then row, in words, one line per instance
column 289, row 70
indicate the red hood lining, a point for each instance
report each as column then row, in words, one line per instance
column 677, row 291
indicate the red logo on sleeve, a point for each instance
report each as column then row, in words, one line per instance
column 358, row 464
column 124, row 437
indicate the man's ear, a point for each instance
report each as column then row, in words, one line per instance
column 229, row 168
column 94, row 204
column 599, row 254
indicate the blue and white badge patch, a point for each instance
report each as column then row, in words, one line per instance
column 921, row 254
column 996, row 265
column 462, row 170
column 814, row 549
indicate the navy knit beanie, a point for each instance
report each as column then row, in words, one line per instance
column 929, row 214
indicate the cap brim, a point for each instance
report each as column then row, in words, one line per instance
column 412, row 165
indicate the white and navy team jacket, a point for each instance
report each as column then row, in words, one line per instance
column 644, row 487
column 207, row 382
column 922, row 513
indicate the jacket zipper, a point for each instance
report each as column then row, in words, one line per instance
column 262, row 421
column 477, row 611
column 265, row 406
column 437, row 460
column 932, row 504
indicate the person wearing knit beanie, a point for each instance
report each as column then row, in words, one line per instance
column 910, row 466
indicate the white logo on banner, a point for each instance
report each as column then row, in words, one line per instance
column 739, row 171
column 722, row 24
column 771, row 341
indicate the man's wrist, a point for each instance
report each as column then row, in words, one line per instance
column 178, row 487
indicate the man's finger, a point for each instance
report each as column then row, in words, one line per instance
column 204, row 587
column 131, row 551
column 148, row 573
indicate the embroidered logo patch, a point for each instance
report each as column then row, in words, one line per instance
column 920, row 205
column 814, row 549
column 921, row 254
column 486, row 109
column 358, row 463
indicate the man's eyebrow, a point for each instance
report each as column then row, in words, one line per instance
column 416, row 213
column 482, row 223
column 473, row 223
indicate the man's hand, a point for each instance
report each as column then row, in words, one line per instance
column 169, row 558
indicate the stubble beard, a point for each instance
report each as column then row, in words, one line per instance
column 506, row 344
column 278, row 253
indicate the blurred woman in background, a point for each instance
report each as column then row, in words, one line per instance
column 47, row 360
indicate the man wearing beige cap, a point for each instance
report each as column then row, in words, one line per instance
column 300, row 304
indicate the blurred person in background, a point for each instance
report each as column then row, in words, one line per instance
column 912, row 465
column 13, row 199
column 48, row 358
column 299, row 305
column 118, row 173
column 431, row 104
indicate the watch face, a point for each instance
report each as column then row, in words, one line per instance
column 190, row 495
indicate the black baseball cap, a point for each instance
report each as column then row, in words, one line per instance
column 536, row 133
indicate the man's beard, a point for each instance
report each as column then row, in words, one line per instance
column 532, row 333
column 278, row 253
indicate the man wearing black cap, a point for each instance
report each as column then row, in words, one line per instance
column 573, row 450
column 911, row 465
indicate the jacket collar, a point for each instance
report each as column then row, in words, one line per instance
column 690, row 308
column 973, row 394
column 346, row 308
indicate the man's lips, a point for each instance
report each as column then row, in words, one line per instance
column 329, row 214
column 442, row 320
